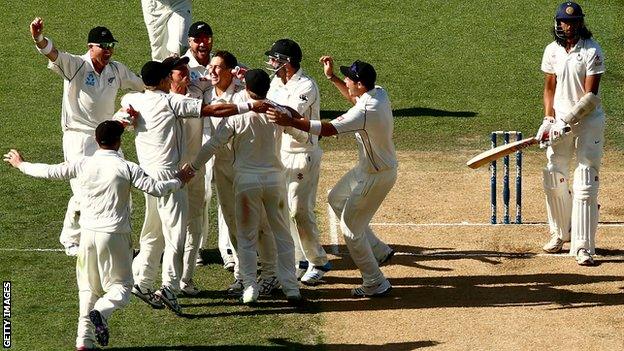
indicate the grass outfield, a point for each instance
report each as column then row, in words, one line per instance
column 455, row 71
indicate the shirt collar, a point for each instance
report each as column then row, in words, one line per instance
column 106, row 152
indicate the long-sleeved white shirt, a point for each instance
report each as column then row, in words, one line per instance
column 256, row 143
column 88, row 96
column 160, row 140
column 105, row 179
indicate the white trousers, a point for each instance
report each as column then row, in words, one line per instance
column 167, row 23
column 223, row 172
column 586, row 142
column 104, row 275
column 223, row 240
column 252, row 193
column 75, row 146
column 163, row 233
column 195, row 194
column 355, row 199
column 302, row 175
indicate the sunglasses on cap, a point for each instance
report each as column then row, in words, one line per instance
column 106, row 46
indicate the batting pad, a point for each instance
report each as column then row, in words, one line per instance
column 558, row 204
column 585, row 209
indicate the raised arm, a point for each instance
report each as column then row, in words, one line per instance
column 44, row 45
column 328, row 69
column 65, row 170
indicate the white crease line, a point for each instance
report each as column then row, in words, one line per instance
column 498, row 255
column 32, row 250
column 468, row 224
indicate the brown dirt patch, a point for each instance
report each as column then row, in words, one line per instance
column 474, row 287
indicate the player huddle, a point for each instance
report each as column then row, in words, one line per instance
column 199, row 118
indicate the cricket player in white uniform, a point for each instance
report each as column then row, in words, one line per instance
column 160, row 146
column 192, row 129
column 105, row 255
column 292, row 87
column 259, row 182
column 167, row 23
column 573, row 64
column 359, row 193
column 90, row 85
column 200, row 53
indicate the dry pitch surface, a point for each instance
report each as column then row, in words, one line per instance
column 475, row 287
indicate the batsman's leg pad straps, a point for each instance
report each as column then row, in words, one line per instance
column 585, row 209
column 558, row 203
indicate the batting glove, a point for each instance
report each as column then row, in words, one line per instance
column 557, row 131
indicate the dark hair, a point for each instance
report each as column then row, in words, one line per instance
column 228, row 58
column 108, row 133
column 583, row 33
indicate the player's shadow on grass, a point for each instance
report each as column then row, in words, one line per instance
column 474, row 291
column 408, row 112
column 284, row 344
column 416, row 256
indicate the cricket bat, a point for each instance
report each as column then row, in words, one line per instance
column 493, row 154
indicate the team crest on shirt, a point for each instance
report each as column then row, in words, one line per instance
column 111, row 80
column 90, row 80
column 194, row 76
column 300, row 176
column 303, row 97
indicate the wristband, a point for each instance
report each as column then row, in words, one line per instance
column 243, row 107
column 38, row 38
column 47, row 49
column 315, row 127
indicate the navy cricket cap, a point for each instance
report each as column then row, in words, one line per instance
column 172, row 62
column 258, row 82
column 286, row 50
column 108, row 133
column 198, row 28
column 569, row 11
column 100, row 35
column 360, row 71
column 153, row 72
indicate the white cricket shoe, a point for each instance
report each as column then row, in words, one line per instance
column 314, row 274
column 584, row 258
column 268, row 285
column 555, row 244
column 72, row 250
column 169, row 298
column 250, row 295
column 381, row 289
column 301, row 269
column 189, row 289
column 228, row 263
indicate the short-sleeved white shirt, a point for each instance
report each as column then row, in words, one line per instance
column 585, row 59
column 372, row 122
column 234, row 94
column 88, row 96
column 301, row 93
column 255, row 140
column 160, row 138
